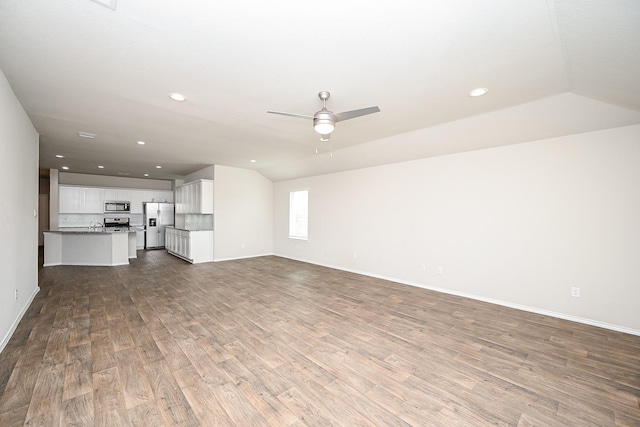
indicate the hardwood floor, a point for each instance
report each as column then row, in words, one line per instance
column 270, row 341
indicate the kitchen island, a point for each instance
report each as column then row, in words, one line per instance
column 89, row 246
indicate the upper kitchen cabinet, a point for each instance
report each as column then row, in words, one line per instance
column 93, row 200
column 118, row 195
column 71, row 199
column 111, row 194
column 162, row 196
column 124, row 195
column 75, row 199
column 137, row 197
column 195, row 197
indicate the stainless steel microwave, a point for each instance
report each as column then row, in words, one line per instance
column 117, row 206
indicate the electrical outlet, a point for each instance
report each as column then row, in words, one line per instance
column 575, row 292
column 16, row 295
column 439, row 269
column 355, row 255
column 423, row 267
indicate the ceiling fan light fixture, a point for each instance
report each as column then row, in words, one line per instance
column 323, row 125
column 325, row 137
column 324, row 128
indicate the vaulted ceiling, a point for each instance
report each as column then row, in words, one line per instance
column 552, row 67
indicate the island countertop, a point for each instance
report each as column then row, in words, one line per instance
column 92, row 230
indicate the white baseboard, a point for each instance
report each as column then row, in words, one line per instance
column 243, row 257
column 535, row 310
column 7, row 337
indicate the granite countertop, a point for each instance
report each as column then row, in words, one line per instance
column 92, row 230
column 189, row 228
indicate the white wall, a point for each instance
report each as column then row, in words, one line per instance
column 114, row 181
column 204, row 173
column 517, row 225
column 243, row 214
column 18, row 201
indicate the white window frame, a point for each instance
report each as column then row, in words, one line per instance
column 298, row 216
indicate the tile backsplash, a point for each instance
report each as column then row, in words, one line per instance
column 198, row 222
column 79, row 220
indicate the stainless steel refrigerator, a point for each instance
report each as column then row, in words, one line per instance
column 157, row 216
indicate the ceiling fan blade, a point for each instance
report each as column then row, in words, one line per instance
column 346, row 115
column 290, row 114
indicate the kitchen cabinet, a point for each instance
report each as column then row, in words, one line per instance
column 137, row 197
column 71, row 199
column 195, row 197
column 111, row 194
column 192, row 246
column 93, row 200
column 139, row 239
column 118, row 194
column 179, row 200
column 161, row 196
column 74, row 199
column 124, row 195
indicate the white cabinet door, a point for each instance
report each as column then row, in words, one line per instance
column 137, row 197
column 71, row 199
column 205, row 194
column 180, row 200
column 190, row 198
column 162, row 196
column 93, row 200
column 110, row 194
column 186, row 245
column 168, row 239
column 139, row 239
column 124, row 195
column 195, row 197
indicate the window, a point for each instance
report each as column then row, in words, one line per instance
column 298, row 214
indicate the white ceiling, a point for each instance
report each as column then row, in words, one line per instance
column 552, row 67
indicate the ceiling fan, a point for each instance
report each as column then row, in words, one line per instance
column 324, row 121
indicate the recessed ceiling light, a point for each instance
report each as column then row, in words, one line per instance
column 87, row 135
column 253, row 161
column 60, row 156
column 177, row 97
column 478, row 91
column 158, row 167
column 141, row 142
column 65, row 168
column 146, row 174
column 100, row 167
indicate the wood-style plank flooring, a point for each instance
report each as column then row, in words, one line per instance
column 275, row 342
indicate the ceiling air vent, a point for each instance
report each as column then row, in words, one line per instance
column 111, row 4
column 87, row 135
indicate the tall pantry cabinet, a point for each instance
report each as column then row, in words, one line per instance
column 192, row 236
